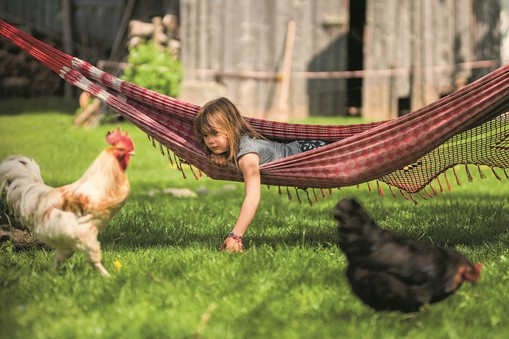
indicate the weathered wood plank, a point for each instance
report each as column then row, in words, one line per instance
column 252, row 38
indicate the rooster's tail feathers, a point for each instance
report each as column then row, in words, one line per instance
column 19, row 166
column 21, row 185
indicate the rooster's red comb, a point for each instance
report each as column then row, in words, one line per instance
column 114, row 137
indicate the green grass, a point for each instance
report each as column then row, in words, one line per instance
column 289, row 283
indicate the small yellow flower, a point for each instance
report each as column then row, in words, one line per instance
column 118, row 265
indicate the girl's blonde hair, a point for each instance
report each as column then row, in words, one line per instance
column 220, row 116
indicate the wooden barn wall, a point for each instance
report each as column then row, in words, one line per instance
column 234, row 47
column 420, row 50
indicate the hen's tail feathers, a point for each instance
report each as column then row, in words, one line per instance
column 357, row 231
column 21, row 186
column 350, row 215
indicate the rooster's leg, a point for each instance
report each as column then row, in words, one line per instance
column 94, row 257
column 92, row 249
column 62, row 255
column 98, row 266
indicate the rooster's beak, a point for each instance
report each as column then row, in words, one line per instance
column 132, row 153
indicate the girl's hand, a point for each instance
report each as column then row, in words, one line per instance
column 218, row 159
column 232, row 245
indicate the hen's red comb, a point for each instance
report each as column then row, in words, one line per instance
column 115, row 137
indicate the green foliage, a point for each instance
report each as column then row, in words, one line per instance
column 155, row 69
column 289, row 283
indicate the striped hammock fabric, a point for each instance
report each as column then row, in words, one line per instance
column 468, row 127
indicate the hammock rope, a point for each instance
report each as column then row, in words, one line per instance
column 469, row 127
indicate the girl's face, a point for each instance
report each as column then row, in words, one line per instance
column 217, row 143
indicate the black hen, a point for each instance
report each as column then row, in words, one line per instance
column 389, row 272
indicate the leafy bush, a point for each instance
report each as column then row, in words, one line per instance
column 154, row 68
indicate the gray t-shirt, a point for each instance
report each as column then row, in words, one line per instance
column 267, row 150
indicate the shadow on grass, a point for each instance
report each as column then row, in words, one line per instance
column 469, row 220
column 316, row 239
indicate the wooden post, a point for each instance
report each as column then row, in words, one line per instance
column 122, row 30
column 287, row 70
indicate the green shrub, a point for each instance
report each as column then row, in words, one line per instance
column 154, row 68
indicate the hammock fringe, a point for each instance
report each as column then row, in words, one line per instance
column 422, row 195
column 403, row 194
column 192, row 170
column 456, row 176
column 309, row 199
column 435, row 192
column 496, row 174
column 448, row 184
column 380, row 191
column 297, row 194
column 481, row 173
column 428, row 193
column 413, row 199
column 392, row 192
column 369, row 187
column 469, row 175
column 440, row 184
column 316, row 196
column 288, row 193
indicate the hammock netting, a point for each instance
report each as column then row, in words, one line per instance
column 468, row 127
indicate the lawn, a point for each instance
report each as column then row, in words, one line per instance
column 169, row 281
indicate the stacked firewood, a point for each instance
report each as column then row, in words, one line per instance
column 162, row 31
column 23, row 76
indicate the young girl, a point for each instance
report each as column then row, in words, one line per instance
column 227, row 137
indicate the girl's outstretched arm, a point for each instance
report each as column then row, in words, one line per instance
column 250, row 168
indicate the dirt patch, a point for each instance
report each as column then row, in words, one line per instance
column 21, row 239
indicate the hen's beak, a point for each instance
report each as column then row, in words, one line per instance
column 132, row 153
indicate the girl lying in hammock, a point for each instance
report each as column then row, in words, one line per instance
column 227, row 137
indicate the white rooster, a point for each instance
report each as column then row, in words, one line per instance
column 69, row 218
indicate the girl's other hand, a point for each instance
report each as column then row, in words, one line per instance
column 218, row 159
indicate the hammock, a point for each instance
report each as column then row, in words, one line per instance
column 469, row 127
